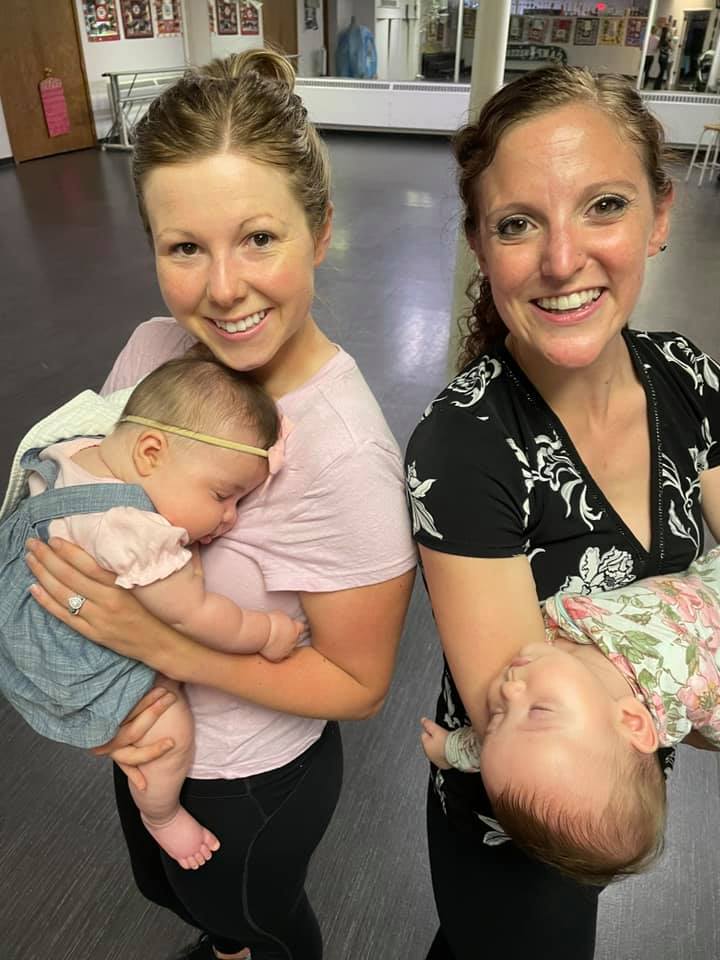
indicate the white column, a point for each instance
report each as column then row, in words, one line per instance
column 459, row 39
column 492, row 22
column 712, row 84
column 197, row 32
column 646, row 41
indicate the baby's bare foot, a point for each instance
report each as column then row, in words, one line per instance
column 184, row 839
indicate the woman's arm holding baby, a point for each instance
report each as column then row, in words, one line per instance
column 182, row 601
column 484, row 609
column 344, row 675
column 710, row 499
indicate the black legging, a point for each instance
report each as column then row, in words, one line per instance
column 663, row 60
column 251, row 894
column 493, row 901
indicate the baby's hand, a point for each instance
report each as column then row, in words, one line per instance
column 433, row 740
column 284, row 635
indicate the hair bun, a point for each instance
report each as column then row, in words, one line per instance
column 265, row 63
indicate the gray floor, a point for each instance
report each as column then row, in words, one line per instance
column 76, row 277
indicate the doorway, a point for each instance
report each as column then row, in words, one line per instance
column 280, row 27
column 40, row 37
column 692, row 41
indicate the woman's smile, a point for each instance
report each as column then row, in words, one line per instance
column 241, row 327
column 567, row 309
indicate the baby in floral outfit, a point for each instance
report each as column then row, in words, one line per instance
column 569, row 757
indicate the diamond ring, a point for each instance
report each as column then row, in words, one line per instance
column 75, row 603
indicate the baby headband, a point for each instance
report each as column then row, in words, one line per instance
column 275, row 455
column 202, row 437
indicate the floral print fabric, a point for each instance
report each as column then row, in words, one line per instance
column 663, row 634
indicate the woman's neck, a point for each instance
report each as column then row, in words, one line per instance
column 585, row 392
column 297, row 361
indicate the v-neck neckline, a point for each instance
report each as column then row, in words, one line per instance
column 656, row 549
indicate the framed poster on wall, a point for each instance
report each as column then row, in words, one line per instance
column 137, row 19
column 635, row 31
column 536, row 29
column 586, row 32
column 101, row 21
column 560, row 30
column 611, row 31
column 168, row 18
column 227, row 18
column 249, row 20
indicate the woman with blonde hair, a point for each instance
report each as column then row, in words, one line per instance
column 233, row 185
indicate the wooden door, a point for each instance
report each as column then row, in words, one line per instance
column 35, row 35
column 280, row 26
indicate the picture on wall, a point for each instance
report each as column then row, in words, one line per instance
column 635, row 31
column 311, row 19
column 137, row 19
column 168, row 18
column 516, row 28
column 536, row 29
column 469, row 23
column 586, row 31
column 211, row 16
column 560, row 30
column 227, row 17
column 611, row 30
column 101, row 21
column 249, row 20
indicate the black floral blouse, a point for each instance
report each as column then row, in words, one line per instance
column 491, row 472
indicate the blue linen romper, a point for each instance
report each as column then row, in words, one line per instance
column 64, row 686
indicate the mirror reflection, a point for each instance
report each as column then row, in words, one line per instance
column 659, row 44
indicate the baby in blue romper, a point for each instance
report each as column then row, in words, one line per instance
column 140, row 500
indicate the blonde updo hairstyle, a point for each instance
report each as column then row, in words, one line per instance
column 243, row 103
column 534, row 94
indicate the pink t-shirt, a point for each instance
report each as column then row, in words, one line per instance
column 332, row 519
column 137, row 545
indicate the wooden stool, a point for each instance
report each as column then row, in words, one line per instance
column 712, row 148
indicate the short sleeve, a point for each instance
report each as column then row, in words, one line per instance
column 139, row 546
column 349, row 529
column 465, row 485
column 706, row 377
column 150, row 344
column 691, row 374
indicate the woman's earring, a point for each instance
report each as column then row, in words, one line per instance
column 663, row 248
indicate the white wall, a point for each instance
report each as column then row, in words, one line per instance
column 676, row 8
column 197, row 32
column 5, row 148
column 203, row 45
column 224, row 46
column 309, row 43
column 114, row 55
column 599, row 58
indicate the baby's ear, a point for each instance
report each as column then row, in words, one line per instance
column 149, row 451
column 637, row 725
